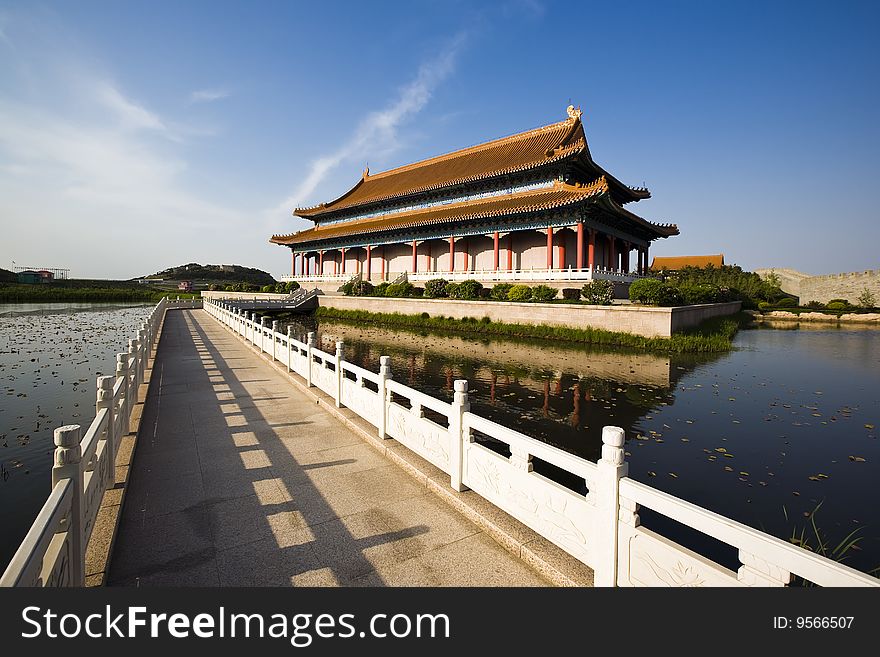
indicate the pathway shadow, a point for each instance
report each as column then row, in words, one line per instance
column 236, row 495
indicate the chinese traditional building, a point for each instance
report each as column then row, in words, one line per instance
column 533, row 206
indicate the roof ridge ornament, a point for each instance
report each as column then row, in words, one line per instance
column 573, row 114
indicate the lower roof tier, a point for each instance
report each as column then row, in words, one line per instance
column 498, row 208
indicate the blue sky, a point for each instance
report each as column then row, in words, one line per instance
column 136, row 136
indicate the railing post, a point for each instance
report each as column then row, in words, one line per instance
column 384, row 376
column 274, row 332
column 340, row 349
column 460, row 406
column 68, row 465
column 263, row 324
column 133, row 368
column 142, row 341
column 612, row 468
column 122, row 371
column 253, row 328
column 105, row 400
column 289, row 350
column 310, row 342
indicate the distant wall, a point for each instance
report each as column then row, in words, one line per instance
column 830, row 286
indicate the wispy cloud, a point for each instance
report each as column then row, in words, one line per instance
column 377, row 133
column 207, row 95
column 127, row 111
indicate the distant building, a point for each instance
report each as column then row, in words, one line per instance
column 185, row 286
column 674, row 263
column 32, row 277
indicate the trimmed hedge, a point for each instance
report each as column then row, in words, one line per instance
column 543, row 293
column 499, row 291
column 436, row 288
column 519, row 293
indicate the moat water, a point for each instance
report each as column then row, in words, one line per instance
column 764, row 434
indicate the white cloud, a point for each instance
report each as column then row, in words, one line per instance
column 207, row 95
column 377, row 133
column 129, row 113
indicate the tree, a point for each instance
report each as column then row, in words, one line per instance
column 866, row 299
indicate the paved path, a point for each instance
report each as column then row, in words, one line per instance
column 239, row 479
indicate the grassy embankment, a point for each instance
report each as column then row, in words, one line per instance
column 84, row 291
column 712, row 336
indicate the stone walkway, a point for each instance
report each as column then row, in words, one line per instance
column 239, row 479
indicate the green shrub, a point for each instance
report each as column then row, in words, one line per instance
column 763, row 305
column 544, row 293
column 452, row 290
column 645, row 290
column 500, row 290
column 436, row 288
column 571, row 293
column 399, row 290
column 357, row 288
column 670, row 296
column 468, row 290
column 485, row 320
column 519, row 293
column 380, row 289
column 845, row 303
column 290, row 286
column 694, row 293
column 598, row 292
column 866, row 299
column 787, row 302
column 425, row 315
column 267, row 288
column 230, row 288
column 815, row 304
column 417, row 292
column 836, row 305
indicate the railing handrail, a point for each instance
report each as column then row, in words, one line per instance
column 801, row 562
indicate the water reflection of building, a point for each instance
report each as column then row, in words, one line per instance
column 560, row 394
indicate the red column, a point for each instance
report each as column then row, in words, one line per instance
column 495, row 238
column 549, row 247
column 580, row 247
column 321, row 266
column 415, row 263
column 452, row 254
column 342, row 257
column 591, row 250
column 562, row 250
column 464, row 248
column 334, row 265
column 510, row 252
column 369, row 260
column 382, row 260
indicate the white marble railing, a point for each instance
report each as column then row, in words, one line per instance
column 570, row 274
column 53, row 551
column 600, row 528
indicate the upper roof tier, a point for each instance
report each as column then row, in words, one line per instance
column 529, row 201
column 516, row 153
